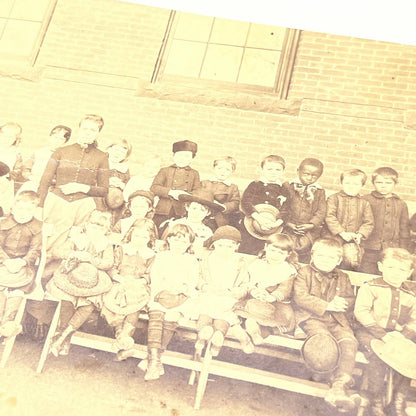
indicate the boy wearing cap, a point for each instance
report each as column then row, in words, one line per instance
column 267, row 190
column 323, row 298
column 175, row 180
column 384, row 307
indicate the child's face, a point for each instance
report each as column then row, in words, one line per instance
column 196, row 212
column 272, row 171
column 95, row 232
column 395, row 272
column 88, row 132
column 275, row 254
column 352, row 185
column 223, row 170
column 139, row 206
column 326, row 259
column 57, row 139
column 140, row 238
column 179, row 243
column 309, row 174
column 24, row 211
column 225, row 247
column 183, row 158
column 8, row 136
column 384, row 186
column 117, row 153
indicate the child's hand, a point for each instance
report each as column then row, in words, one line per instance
column 262, row 294
column 116, row 182
column 338, row 304
column 174, row 193
column 14, row 265
column 303, row 228
column 357, row 238
column 347, row 236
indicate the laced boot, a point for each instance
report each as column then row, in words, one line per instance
column 398, row 405
column 377, row 407
column 153, row 365
column 61, row 340
column 337, row 395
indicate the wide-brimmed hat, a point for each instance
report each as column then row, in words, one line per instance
column 352, row 253
column 127, row 297
column 397, row 352
column 320, row 353
column 4, row 169
column 202, row 196
column 15, row 280
column 85, row 280
column 263, row 312
column 114, row 198
column 253, row 226
column 225, row 232
column 185, row 145
column 142, row 192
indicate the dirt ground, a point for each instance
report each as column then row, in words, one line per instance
column 89, row 382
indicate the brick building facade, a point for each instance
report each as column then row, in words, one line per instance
column 352, row 102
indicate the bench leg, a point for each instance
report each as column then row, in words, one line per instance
column 194, row 374
column 203, row 377
column 9, row 342
column 48, row 340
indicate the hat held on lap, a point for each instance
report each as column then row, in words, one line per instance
column 204, row 197
column 253, row 226
column 321, row 353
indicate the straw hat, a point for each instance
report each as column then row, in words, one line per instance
column 225, row 232
column 85, row 280
column 204, row 197
column 253, row 226
column 114, row 198
column 320, row 353
column 398, row 352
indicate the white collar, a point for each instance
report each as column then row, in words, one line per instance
column 226, row 182
column 298, row 182
column 120, row 166
column 264, row 180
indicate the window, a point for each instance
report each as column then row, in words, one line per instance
column 23, row 24
column 203, row 50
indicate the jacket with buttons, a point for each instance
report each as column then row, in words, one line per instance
column 74, row 163
column 173, row 177
column 391, row 222
column 381, row 308
column 258, row 192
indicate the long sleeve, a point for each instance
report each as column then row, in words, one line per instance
column 35, row 248
column 319, row 215
column 404, row 229
column 284, row 290
column 367, row 220
column 331, row 219
column 248, row 198
column 48, row 176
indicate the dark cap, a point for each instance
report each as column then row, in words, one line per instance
column 185, row 145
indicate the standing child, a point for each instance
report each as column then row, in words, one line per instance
column 130, row 292
column 267, row 190
column 384, row 307
column 224, row 281
column 349, row 217
column 20, row 247
column 173, row 280
column 268, row 310
column 175, row 180
column 225, row 193
column 118, row 153
column 307, row 207
column 323, row 298
column 391, row 219
column 82, row 277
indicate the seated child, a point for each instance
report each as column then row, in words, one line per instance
column 130, row 291
column 307, row 207
column 20, row 247
column 173, row 280
column 323, row 297
column 384, row 306
column 225, row 193
column 349, row 217
column 139, row 206
column 118, row 153
column 224, row 281
column 175, row 180
column 267, row 190
column 268, row 310
column 391, row 219
column 198, row 206
column 5, row 190
column 82, row 277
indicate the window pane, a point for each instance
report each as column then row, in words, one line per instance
column 29, row 9
column 193, row 27
column 229, row 32
column 259, row 67
column 5, row 7
column 19, row 37
column 185, row 58
column 222, row 63
column 266, row 37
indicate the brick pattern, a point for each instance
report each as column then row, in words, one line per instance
column 356, row 95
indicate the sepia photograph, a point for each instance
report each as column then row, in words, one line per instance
column 211, row 211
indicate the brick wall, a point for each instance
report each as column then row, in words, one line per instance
column 357, row 98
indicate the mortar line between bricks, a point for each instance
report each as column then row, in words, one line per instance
column 351, row 116
column 92, row 72
column 91, row 83
column 352, row 103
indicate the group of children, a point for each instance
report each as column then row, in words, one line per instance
column 176, row 251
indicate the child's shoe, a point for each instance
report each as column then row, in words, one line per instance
column 398, row 405
column 217, row 342
column 337, row 395
column 153, row 365
column 203, row 336
column 377, row 407
column 253, row 330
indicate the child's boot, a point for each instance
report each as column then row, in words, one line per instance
column 254, row 331
column 377, row 406
column 217, row 342
column 153, row 365
column 337, row 395
column 399, row 405
column 203, row 336
column 61, row 344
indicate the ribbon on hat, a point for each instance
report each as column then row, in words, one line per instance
column 310, row 190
